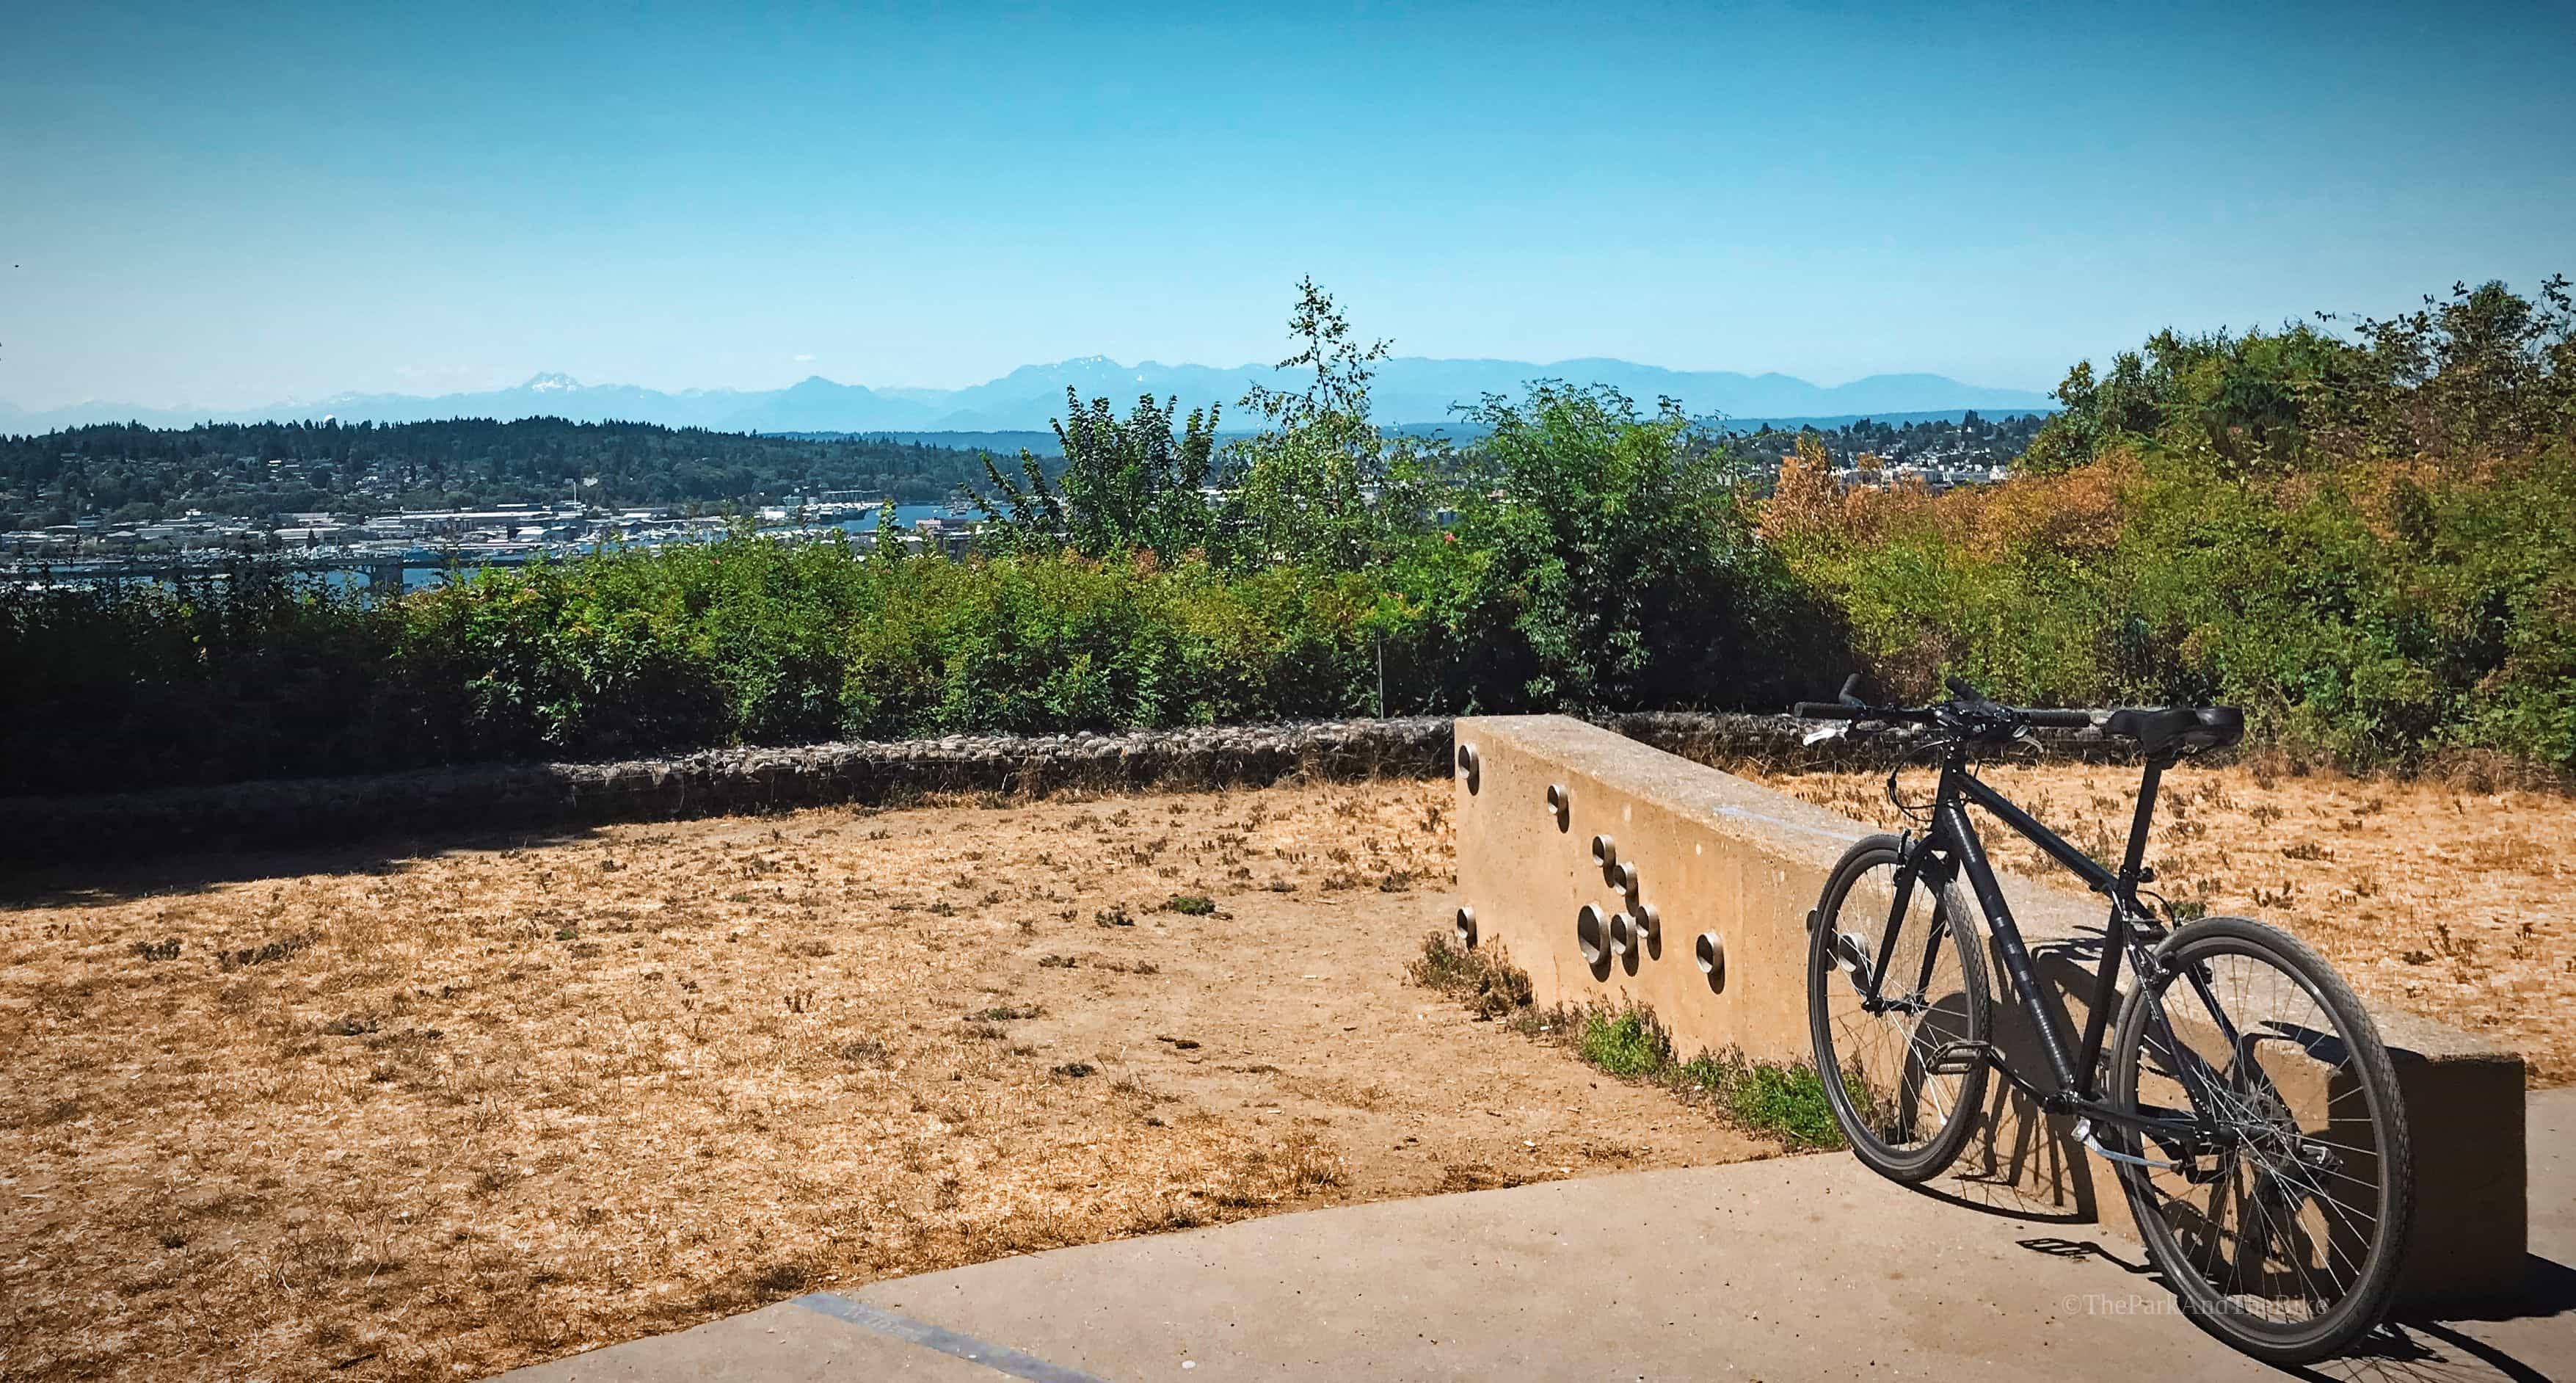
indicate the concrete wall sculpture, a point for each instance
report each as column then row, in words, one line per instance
column 1615, row 872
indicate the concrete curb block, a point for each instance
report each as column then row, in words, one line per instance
column 1554, row 801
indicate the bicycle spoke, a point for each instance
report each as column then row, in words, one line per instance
column 2296, row 1191
column 1881, row 1040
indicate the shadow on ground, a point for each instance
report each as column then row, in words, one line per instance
column 2416, row 1348
column 100, row 883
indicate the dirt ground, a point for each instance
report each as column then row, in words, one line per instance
column 438, row 1114
column 435, row 1116
column 2450, row 904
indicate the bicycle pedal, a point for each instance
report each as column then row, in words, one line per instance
column 1852, row 958
column 1956, row 1059
column 2316, row 1157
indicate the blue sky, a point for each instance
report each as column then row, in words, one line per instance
column 230, row 205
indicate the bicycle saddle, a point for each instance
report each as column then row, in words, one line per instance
column 2174, row 728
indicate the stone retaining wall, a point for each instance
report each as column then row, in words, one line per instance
column 485, row 798
column 480, row 798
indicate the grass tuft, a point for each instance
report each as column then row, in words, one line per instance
column 1485, row 980
column 1783, row 1100
column 1786, row 1101
column 1625, row 1042
column 283, row 948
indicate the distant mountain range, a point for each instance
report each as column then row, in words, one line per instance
column 1409, row 390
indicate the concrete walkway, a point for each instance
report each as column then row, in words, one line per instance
column 1792, row 1269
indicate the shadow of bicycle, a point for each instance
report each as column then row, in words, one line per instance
column 2022, row 1162
column 2412, row 1349
column 2025, row 1164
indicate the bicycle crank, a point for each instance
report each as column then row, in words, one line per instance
column 2084, row 1136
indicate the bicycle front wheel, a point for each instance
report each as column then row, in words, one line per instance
column 2280, row 1223
column 1902, row 1061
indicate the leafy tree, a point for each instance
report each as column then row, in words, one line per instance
column 2249, row 399
column 2485, row 373
column 1312, row 486
column 1617, row 564
column 1125, row 485
column 2360, row 535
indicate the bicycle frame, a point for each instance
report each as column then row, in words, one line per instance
column 1952, row 847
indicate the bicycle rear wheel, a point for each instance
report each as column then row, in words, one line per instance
column 2280, row 1231
column 1905, row 1076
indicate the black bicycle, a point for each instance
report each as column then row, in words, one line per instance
column 2244, row 1095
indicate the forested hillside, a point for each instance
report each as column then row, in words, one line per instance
column 1974, row 440
column 259, row 469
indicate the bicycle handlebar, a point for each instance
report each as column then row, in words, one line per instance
column 2048, row 717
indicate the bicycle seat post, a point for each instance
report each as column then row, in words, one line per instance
column 2134, row 862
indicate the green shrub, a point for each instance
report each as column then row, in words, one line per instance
column 1605, row 559
column 1624, row 1042
column 1787, row 1101
column 2370, row 613
column 2360, row 537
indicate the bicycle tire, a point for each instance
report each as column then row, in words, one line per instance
column 1970, row 1020
column 2205, row 1276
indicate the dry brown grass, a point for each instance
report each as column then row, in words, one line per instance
column 440, row 1116
column 2445, row 902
